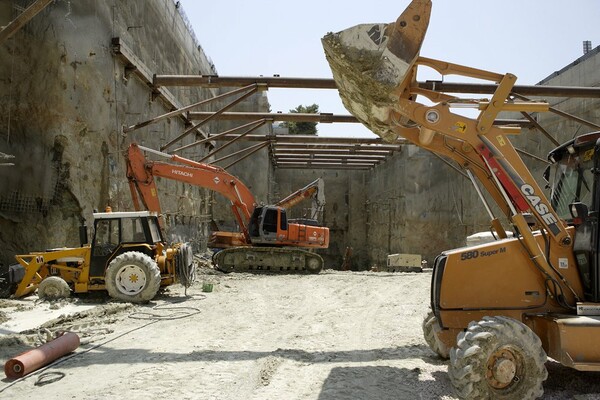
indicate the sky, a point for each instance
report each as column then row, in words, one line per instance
column 529, row 38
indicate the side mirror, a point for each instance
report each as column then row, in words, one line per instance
column 579, row 212
column 546, row 174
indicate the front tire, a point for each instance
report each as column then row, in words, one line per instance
column 53, row 288
column 498, row 358
column 133, row 277
column 430, row 329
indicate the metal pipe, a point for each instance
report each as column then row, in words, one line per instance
column 564, row 114
column 213, row 137
column 292, row 117
column 529, row 90
column 34, row 359
column 480, row 194
column 253, row 89
column 540, row 128
column 215, row 151
column 180, row 111
column 260, row 145
column 232, row 81
column 246, row 156
column 320, row 83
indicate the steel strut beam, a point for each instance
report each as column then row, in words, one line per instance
column 215, row 81
column 249, row 90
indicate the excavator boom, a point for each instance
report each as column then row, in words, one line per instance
column 266, row 241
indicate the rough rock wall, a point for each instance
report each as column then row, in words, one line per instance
column 64, row 97
column 419, row 205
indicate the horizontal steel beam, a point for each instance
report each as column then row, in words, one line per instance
column 525, row 90
column 321, row 83
column 327, row 166
column 340, row 146
column 291, row 117
column 328, row 155
column 216, row 81
column 283, row 150
column 308, row 139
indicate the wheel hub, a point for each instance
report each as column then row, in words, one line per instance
column 131, row 279
column 502, row 368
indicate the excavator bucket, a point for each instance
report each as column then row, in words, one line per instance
column 372, row 64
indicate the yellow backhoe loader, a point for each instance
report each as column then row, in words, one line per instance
column 128, row 258
column 498, row 309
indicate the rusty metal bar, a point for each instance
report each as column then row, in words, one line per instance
column 532, row 156
column 341, row 146
column 13, row 26
column 305, row 117
column 540, row 128
column 210, row 139
column 247, row 155
column 232, row 81
column 260, row 145
column 336, row 156
column 278, row 150
column 564, row 114
column 182, row 110
column 317, row 139
column 253, row 90
column 293, row 165
column 292, row 117
column 229, row 143
column 320, row 83
column 525, row 90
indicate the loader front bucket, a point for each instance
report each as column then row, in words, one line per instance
column 371, row 64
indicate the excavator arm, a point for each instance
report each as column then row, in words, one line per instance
column 375, row 68
column 141, row 174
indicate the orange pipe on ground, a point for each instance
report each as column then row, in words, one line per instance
column 31, row 360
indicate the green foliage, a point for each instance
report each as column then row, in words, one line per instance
column 303, row 128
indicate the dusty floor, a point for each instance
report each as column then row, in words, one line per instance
column 336, row 335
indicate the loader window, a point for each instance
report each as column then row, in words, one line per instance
column 132, row 230
column 106, row 238
column 572, row 183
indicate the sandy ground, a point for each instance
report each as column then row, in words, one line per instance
column 336, row 335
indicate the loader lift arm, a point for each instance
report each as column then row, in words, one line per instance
column 375, row 68
column 141, row 173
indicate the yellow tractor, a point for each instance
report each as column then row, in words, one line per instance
column 498, row 309
column 127, row 258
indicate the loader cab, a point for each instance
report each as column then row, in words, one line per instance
column 576, row 198
column 116, row 232
column 267, row 223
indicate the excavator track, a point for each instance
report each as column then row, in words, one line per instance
column 279, row 260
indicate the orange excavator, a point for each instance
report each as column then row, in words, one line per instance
column 266, row 242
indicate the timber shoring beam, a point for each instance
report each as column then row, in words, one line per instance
column 13, row 27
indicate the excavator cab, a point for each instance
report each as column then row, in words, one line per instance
column 268, row 224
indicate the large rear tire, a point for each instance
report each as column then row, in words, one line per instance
column 498, row 358
column 430, row 329
column 133, row 277
column 53, row 288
